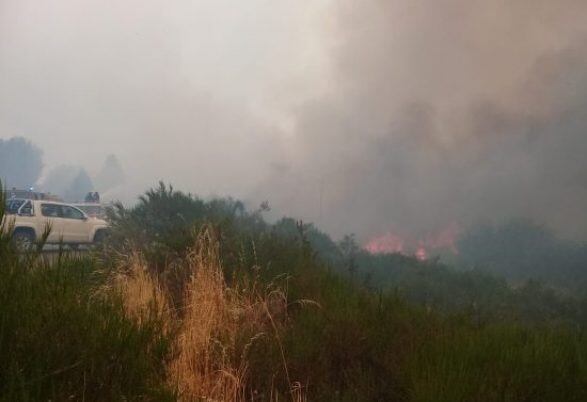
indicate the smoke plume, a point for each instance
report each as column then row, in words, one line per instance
column 443, row 112
column 370, row 116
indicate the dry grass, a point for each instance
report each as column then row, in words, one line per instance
column 142, row 293
column 215, row 328
column 204, row 366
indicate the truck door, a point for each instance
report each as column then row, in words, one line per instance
column 52, row 216
column 75, row 225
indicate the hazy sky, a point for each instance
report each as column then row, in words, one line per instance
column 188, row 91
column 365, row 116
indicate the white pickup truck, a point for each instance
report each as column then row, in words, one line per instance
column 69, row 225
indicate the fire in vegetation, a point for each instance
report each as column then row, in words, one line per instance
column 421, row 248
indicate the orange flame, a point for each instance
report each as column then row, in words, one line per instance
column 390, row 242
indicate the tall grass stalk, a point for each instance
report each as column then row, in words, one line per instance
column 215, row 328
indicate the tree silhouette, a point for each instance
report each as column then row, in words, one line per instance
column 79, row 187
column 111, row 174
column 70, row 182
column 20, row 162
column 59, row 179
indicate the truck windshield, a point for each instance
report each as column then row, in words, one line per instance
column 15, row 206
column 26, row 209
column 12, row 206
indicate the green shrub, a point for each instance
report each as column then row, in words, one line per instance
column 60, row 339
column 501, row 363
column 410, row 331
column 65, row 336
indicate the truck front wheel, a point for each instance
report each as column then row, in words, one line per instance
column 23, row 239
column 100, row 236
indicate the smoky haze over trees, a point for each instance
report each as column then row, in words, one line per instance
column 58, row 180
column 70, row 182
column 111, row 174
column 80, row 186
column 20, row 162
column 21, row 166
column 74, row 182
column 364, row 116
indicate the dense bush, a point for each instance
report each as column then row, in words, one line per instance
column 164, row 223
column 520, row 250
column 359, row 339
column 65, row 336
column 329, row 319
column 60, row 340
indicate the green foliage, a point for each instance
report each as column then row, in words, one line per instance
column 60, row 340
column 359, row 339
column 318, row 241
column 64, row 336
column 477, row 292
column 501, row 363
column 520, row 250
column 483, row 295
column 164, row 223
column 355, row 346
column 359, row 327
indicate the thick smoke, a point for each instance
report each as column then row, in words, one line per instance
column 364, row 116
column 173, row 89
column 446, row 111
